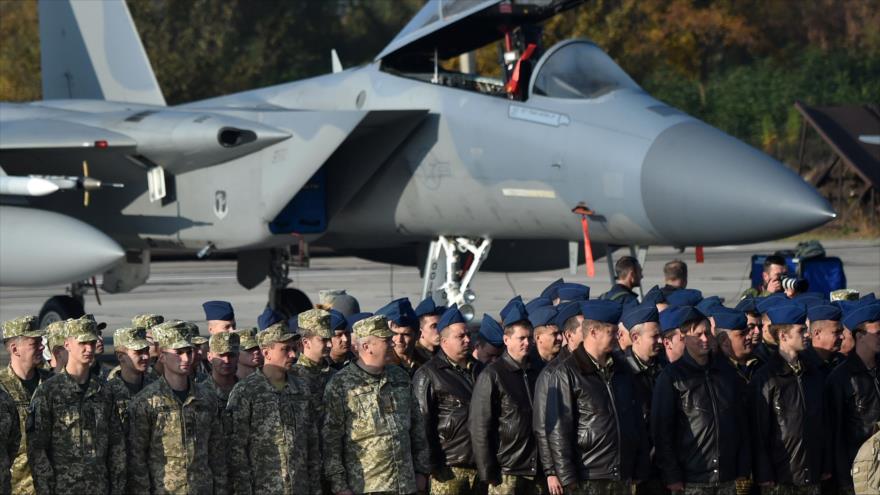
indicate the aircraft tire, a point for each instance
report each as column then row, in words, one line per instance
column 60, row 308
column 292, row 302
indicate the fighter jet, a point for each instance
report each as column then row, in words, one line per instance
column 401, row 160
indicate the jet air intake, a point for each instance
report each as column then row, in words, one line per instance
column 229, row 137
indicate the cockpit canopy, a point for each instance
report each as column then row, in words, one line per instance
column 578, row 69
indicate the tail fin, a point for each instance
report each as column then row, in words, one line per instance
column 92, row 50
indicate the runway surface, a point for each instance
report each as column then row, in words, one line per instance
column 177, row 289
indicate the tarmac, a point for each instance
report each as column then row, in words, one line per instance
column 176, row 289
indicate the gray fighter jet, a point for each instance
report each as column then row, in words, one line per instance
column 398, row 160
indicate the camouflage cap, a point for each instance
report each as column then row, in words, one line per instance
column 845, row 295
column 327, row 296
column 131, row 338
column 372, row 326
column 98, row 325
column 194, row 336
column 23, row 326
column 55, row 334
column 147, row 321
column 83, row 329
column 275, row 333
column 315, row 321
column 172, row 334
column 247, row 338
column 223, row 342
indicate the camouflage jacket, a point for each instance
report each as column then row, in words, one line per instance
column 122, row 395
column 222, row 397
column 22, row 483
column 276, row 438
column 172, row 447
column 10, row 438
column 202, row 373
column 338, row 365
column 316, row 376
column 373, row 435
column 75, row 442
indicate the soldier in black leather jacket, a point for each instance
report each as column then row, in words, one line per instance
column 853, row 392
column 699, row 423
column 790, row 439
column 596, row 434
column 443, row 387
column 500, row 417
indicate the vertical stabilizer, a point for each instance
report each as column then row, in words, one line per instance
column 91, row 50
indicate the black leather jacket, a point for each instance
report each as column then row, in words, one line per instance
column 853, row 394
column 644, row 375
column 699, row 423
column 825, row 367
column 539, row 412
column 790, row 437
column 594, row 422
column 443, row 391
column 501, row 420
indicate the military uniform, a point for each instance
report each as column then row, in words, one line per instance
column 422, row 354
column 122, row 391
column 373, row 435
column 342, row 363
column 202, row 373
column 314, row 374
column 621, row 294
column 21, row 392
column 173, row 444
column 10, row 438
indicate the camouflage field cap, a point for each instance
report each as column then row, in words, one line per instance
column 23, row 326
column 372, row 326
column 147, row 321
column 316, row 321
column 223, row 342
column 845, row 295
column 55, row 334
column 172, row 334
column 275, row 333
column 98, row 325
column 83, row 329
column 247, row 338
column 194, row 335
column 131, row 338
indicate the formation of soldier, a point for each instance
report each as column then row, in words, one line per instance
column 676, row 393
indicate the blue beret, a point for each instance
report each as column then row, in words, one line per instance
column 399, row 312
column 730, row 319
column 268, row 318
column 352, row 319
column 747, row 305
column 566, row 311
column 762, row 304
column 513, row 312
column 861, row 314
column 218, row 310
column 543, row 316
column 451, row 316
column 709, row 304
column 684, row 297
column 819, row 312
column 787, row 314
column 676, row 316
column 427, row 307
column 538, row 302
column 573, row 292
column 601, row 310
column 337, row 320
column 491, row 331
column 654, row 296
column 637, row 315
column 550, row 291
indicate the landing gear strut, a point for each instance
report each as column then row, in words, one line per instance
column 450, row 267
column 60, row 308
column 286, row 300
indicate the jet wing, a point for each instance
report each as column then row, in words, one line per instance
column 56, row 134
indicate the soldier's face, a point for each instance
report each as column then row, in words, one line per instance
column 487, row 353
column 428, row 329
column 847, row 342
column 827, row 335
column 456, row 342
column 603, row 336
column 673, row 342
column 755, row 327
column 217, row 326
column 624, row 340
column 548, row 339
column 765, row 329
column 224, row 363
column 697, row 340
column 375, row 351
column 403, row 340
column 773, row 277
column 27, row 351
column 280, row 354
column 518, row 342
column 575, row 338
column 138, row 360
column 316, row 347
column 870, row 338
column 251, row 358
column 340, row 343
column 797, row 337
column 647, row 342
column 80, row 352
column 177, row 361
column 737, row 344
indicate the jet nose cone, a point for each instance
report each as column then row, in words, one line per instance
column 701, row 186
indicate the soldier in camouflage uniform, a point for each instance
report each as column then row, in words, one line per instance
column 134, row 371
column 55, row 337
column 75, row 441
column 10, row 439
column 312, row 365
column 373, row 435
column 223, row 353
column 276, row 437
column 340, row 343
column 174, row 432
column 23, row 341
column 147, row 322
column 775, row 269
column 250, row 359
column 201, row 364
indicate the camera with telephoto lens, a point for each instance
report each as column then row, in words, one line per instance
column 798, row 285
